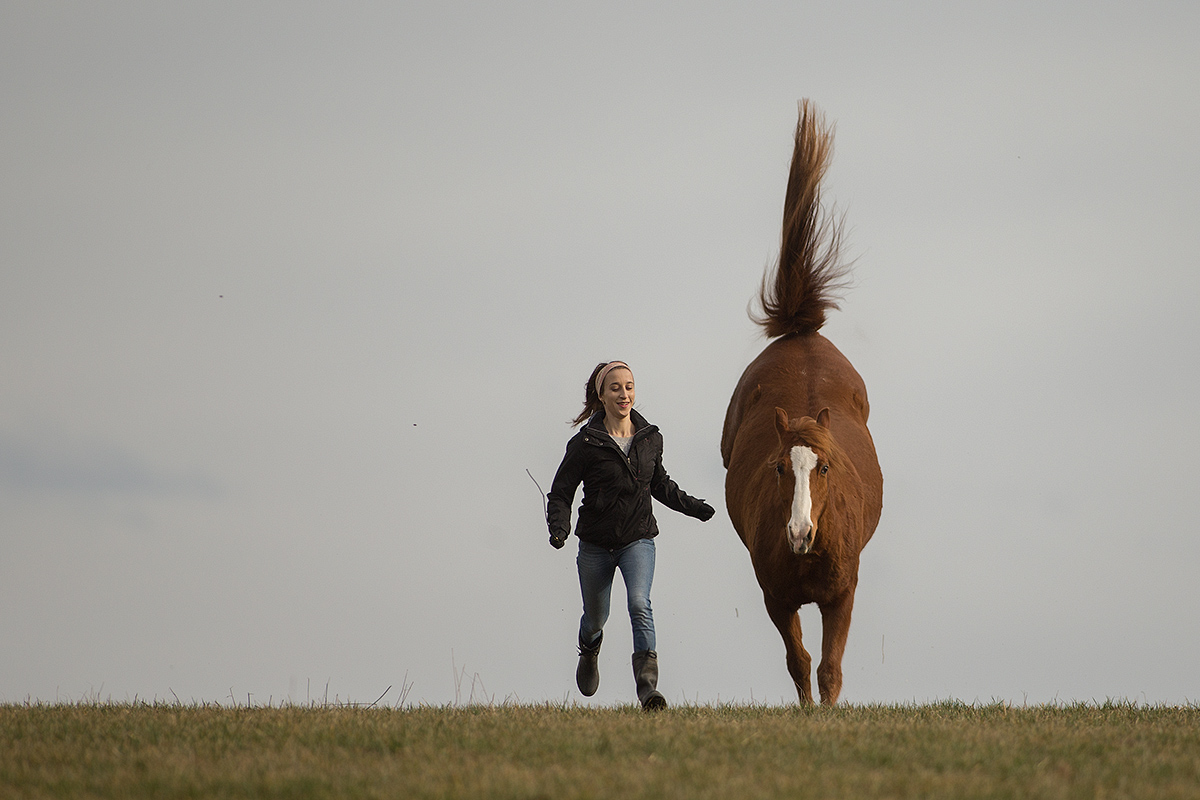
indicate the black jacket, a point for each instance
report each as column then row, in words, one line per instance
column 616, row 508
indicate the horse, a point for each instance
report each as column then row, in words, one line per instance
column 803, row 486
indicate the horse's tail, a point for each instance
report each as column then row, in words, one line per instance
column 810, row 273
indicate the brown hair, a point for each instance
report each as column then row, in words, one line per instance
column 591, row 397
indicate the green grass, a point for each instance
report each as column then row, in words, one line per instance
column 562, row 751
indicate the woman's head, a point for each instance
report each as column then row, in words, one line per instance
column 609, row 388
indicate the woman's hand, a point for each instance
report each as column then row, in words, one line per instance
column 706, row 512
column 558, row 540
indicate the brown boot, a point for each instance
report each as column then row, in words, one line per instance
column 587, row 674
column 645, row 673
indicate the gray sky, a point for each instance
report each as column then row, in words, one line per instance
column 292, row 295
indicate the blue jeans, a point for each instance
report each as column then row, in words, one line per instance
column 596, row 568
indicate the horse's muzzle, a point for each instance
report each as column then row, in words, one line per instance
column 800, row 538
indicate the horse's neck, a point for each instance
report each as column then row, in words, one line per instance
column 845, row 501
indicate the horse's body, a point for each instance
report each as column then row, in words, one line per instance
column 803, row 486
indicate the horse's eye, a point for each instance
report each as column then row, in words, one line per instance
column 779, row 469
column 824, row 468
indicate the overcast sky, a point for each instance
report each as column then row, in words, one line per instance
column 293, row 294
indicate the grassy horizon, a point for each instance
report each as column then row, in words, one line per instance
column 1114, row 749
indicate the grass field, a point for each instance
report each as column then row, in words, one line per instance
column 137, row 750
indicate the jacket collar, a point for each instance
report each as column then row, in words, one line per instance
column 640, row 425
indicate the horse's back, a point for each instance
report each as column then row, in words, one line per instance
column 802, row 375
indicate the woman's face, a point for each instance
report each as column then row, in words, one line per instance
column 617, row 396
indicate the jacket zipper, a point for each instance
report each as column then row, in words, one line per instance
column 620, row 452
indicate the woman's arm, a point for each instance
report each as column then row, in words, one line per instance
column 562, row 494
column 667, row 492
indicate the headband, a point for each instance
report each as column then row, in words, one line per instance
column 609, row 367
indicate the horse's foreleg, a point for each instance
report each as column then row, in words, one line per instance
column 835, row 627
column 799, row 663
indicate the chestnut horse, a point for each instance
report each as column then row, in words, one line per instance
column 803, row 486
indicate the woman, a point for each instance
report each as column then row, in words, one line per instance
column 618, row 458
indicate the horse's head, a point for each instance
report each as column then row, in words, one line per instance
column 802, row 470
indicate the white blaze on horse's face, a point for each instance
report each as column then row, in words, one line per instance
column 800, row 525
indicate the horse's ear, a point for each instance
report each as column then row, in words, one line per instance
column 781, row 421
column 823, row 417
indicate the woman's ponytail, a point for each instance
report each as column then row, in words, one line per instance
column 591, row 399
